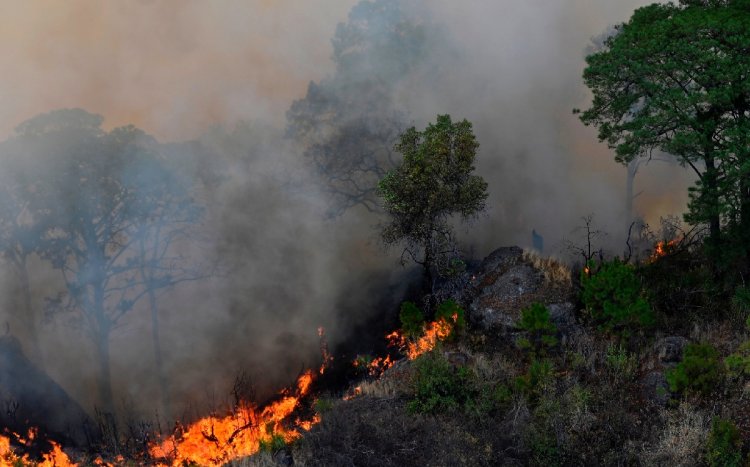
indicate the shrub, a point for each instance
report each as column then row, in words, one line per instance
column 622, row 364
column 535, row 320
column 699, row 371
column 273, row 444
column 438, row 386
column 453, row 313
column 412, row 319
column 536, row 379
column 613, row 297
column 738, row 364
column 724, row 446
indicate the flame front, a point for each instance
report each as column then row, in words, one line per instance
column 54, row 458
column 214, row 441
column 663, row 248
column 433, row 332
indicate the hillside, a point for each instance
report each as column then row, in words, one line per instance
column 499, row 394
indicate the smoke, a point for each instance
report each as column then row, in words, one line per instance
column 187, row 72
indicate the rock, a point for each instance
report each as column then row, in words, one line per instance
column 669, row 349
column 38, row 401
column 562, row 313
column 508, row 281
column 656, row 388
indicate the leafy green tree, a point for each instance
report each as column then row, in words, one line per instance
column 432, row 184
column 674, row 78
column 347, row 124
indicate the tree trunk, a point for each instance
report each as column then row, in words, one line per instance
column 33, row 350
column 102, row 341
column 629, row 196
column 711, row 192
column 163, row 382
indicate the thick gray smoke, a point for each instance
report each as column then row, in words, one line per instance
column 190, row 72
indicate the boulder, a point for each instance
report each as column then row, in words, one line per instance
column 508, row 281
column 669, row 349
column 656, row 389
column 34, row 400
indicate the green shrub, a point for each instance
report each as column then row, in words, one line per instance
column 724, row 446
column 621, row 363
column 613, row 297
column 536, row 379
column 535, row 320
column 453, row 313
column 700, row 370
column 738, row 364
column 438, row 386
column 273, row 444
column 412, row 320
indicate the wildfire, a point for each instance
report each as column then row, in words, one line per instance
column 54, row 458
column 433, row 332
column 663, row 248
column 214, row 441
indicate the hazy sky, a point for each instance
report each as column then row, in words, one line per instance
column 172, row 67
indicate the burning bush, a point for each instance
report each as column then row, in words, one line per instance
column 412, row 320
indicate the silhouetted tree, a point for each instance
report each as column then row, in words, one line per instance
column 109, row 210
column 348, row 124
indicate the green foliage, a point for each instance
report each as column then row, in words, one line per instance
column 412, row 320
column 724, row 446
column 450, row 311
column 538, row 378
column 700, row 370
column 323, row 405
column 738, row 363
column 535, row 320
column 613, row 297
column 438, row 386
column 741, row 302
column 273, row 444
column 621, row 363
column 432, row 184
column 544, row 450
column 668, row 79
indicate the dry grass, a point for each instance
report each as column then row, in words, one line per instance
column 682, row 441
column 262, row 459
column 555, row 272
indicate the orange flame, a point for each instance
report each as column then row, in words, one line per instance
column 434, row 332
column 214, row 441
column 663, row 248
column 54, row 458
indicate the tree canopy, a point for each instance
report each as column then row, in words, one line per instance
column 675, row 78
column 347, row 124
column 432, row 184
column 103, row 209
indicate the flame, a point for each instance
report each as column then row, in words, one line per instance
column 663, row 248
column 54, row 458
column 357, row 391
column 214, row 441
column 433, row 332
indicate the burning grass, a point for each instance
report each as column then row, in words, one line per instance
column 55, row 458
column 216, row 440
